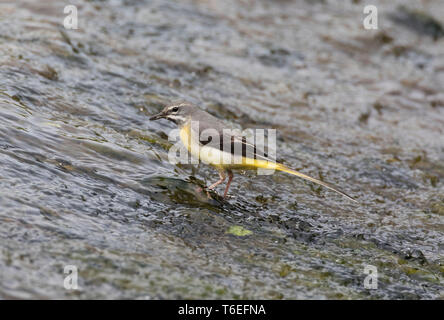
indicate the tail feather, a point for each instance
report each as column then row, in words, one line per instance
column 304, row 176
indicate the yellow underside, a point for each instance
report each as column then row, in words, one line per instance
column 219, row 158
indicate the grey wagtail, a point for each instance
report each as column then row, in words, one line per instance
column 209, row 151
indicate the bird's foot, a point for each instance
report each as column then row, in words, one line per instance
column 203, row 190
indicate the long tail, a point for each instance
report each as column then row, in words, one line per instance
column 283, row 168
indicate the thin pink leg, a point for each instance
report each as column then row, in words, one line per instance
column 230, row 178
column 218, row 182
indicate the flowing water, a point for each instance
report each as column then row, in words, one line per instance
column 85, row 179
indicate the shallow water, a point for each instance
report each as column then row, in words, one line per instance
column 85, row 178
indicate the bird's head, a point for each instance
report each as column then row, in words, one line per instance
column 177, row 113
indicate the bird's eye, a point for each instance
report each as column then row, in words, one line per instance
column 175, row 109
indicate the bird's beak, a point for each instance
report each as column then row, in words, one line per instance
column 158, row 116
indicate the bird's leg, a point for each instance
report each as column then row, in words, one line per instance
column 218, row 182
column 230, row 178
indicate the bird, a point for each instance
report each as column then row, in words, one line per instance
column 211, row 151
